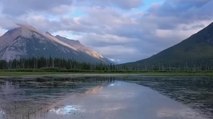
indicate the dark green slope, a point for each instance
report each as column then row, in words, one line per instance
column 195, row 51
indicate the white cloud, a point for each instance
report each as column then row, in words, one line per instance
column 2, row 31
column 125, row 53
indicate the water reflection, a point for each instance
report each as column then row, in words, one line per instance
column 86, row 98
column 33, row 98
column 68, row 109
column 121, row 100
column 196, row 92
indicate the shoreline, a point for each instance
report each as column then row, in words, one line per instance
column 5, row 74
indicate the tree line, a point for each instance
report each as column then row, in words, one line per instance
column 57, row 64
column 53, row 63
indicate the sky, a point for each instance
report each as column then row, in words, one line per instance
column 121, row 30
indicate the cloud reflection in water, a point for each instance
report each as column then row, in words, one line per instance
column 68, row 109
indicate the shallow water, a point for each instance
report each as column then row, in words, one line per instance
column 132, row 97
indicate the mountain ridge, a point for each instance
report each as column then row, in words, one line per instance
column 195, row 51
column 26, row 41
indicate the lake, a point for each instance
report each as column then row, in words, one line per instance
column 99, row 97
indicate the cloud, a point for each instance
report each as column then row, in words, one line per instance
column 120, row 29
column 124, row 52
column 174, row 12
column 179, row 7
column 106, row 39
column 126, row 4
column 17, row 7
column 40, row 22
column 122, row 4
column 6, row 22
column 2, row 31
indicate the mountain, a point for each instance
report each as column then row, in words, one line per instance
column 26, row 42
column 195, row 51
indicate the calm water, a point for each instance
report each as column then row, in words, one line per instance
column 133, row 97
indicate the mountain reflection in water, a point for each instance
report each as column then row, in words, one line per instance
column 87, row 99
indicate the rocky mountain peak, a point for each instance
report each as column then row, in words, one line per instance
column 24, row 31
column 26, row 41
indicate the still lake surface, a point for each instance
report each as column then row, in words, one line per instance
column 119, row 97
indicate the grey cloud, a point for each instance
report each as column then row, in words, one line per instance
column 173, row 12
column 98, row 40
column 153, row 31
column 17, row 7
column 106, row 20
column 180, row 7
column 123, row 35
column 125, row 4
column 7, row 23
